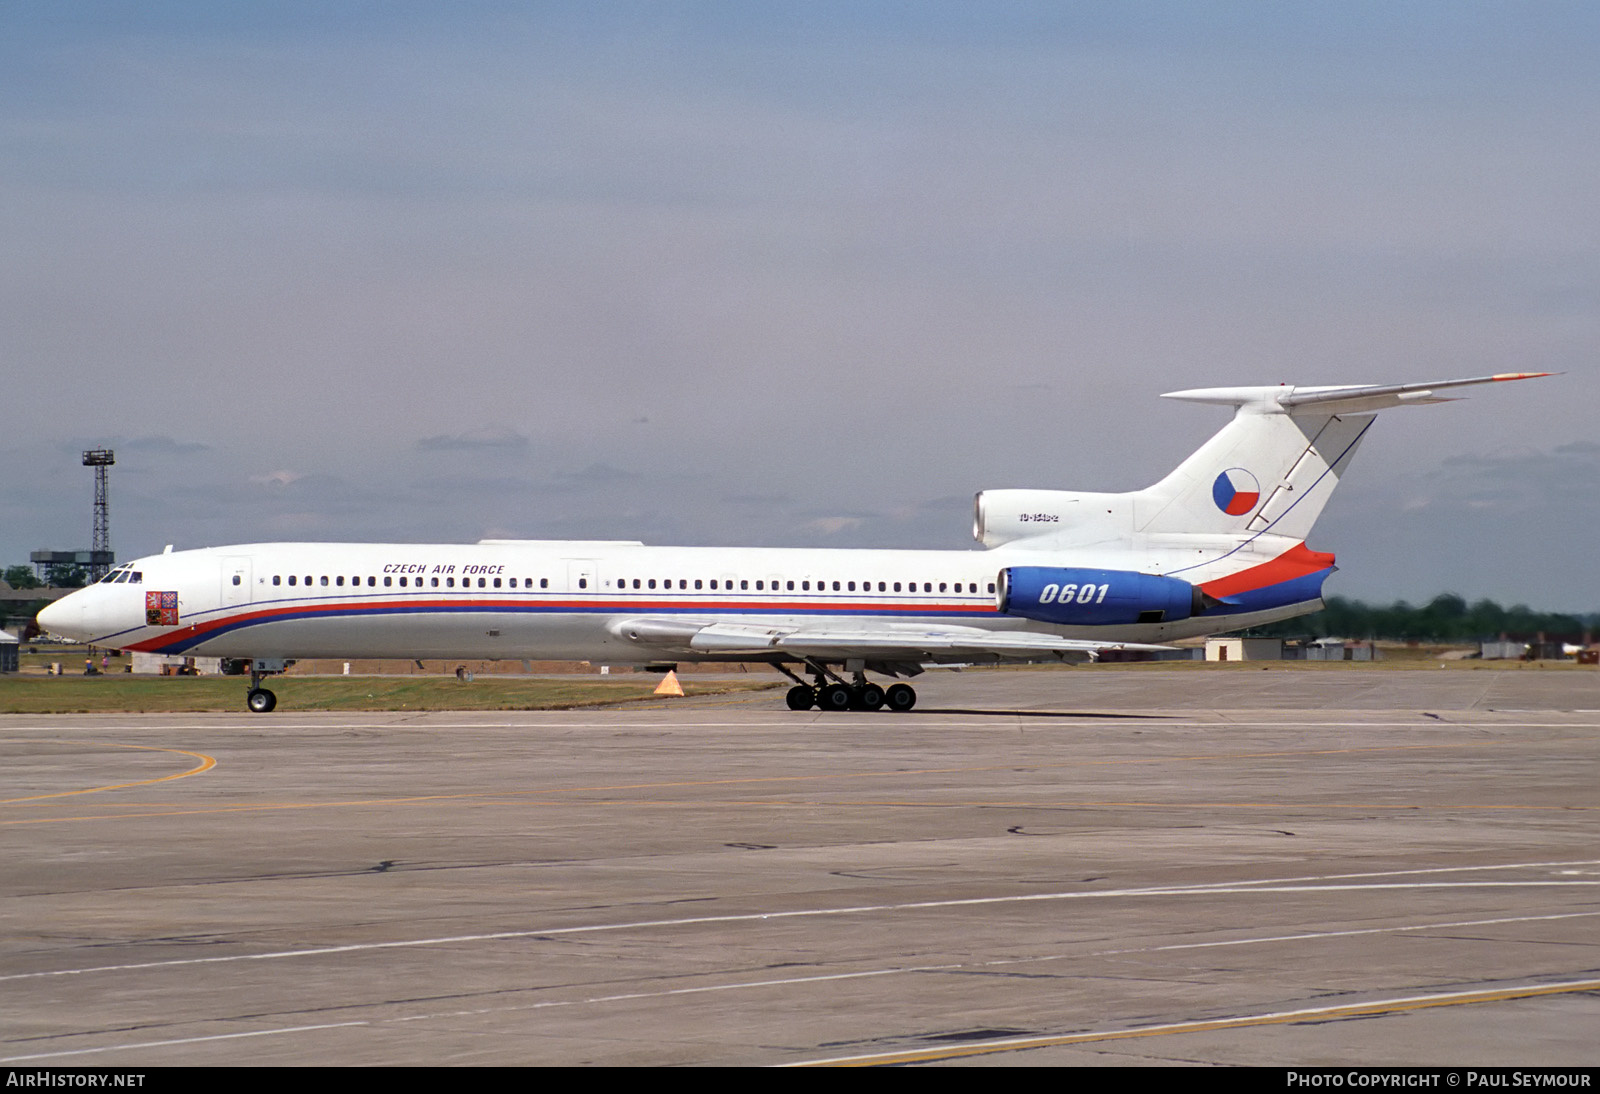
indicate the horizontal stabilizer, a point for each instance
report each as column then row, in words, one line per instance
column 1348, row 399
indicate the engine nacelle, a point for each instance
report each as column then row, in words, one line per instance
column 1005, row 516
column 1089, row 598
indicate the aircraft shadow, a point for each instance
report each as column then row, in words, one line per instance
column 1036, row 713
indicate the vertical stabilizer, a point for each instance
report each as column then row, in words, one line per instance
column 1263, row 472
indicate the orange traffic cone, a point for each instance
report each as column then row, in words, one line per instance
column 669, row 685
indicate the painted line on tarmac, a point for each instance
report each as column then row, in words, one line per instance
column 821, row 978
column 1330, row 882
column 145, row 812
column 178, row 1041
column 206, row 764
column 1317, row 1014
column 404, row 721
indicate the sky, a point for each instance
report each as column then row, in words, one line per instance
column 803, row 274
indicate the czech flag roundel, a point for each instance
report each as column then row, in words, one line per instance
column 1236, row 491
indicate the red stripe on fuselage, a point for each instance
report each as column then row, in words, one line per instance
column 1297, row 561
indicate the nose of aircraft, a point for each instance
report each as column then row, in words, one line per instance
column 65, row 616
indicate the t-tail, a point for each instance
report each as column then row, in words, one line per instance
column 1231, row 521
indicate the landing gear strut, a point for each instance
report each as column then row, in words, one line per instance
column 258, row 698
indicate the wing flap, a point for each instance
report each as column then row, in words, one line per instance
column 876, row 643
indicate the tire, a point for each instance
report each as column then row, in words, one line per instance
column 870, row 697
column 900, row 698
column 260, row 701
column 834, row 697
column 801, row 697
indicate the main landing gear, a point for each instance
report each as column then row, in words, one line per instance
column 861, row 694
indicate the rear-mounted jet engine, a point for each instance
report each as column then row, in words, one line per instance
column 1091, row 598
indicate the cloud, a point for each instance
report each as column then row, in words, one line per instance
column 597, row 474
column 279, row 479
column 832, row 526
column 475, row 440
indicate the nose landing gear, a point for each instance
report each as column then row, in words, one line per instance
column 259, row 699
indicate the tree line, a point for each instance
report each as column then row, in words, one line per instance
column 1445, row 618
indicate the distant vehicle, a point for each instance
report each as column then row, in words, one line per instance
column 1217, row 545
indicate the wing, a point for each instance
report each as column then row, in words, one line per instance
column 882, row 645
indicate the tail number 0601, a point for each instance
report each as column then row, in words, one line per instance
column 1067, row 594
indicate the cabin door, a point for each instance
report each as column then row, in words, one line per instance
column 580, row 575
column 236, row 582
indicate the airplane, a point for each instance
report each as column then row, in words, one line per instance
column 1217, row 545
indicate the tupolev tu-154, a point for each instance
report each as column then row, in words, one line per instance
column 1217, row 545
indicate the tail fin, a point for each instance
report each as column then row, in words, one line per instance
column 1273, row 468
column 1269, row 471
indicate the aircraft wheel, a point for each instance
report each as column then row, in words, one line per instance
column 801, row 697
column 834, row 697
column 900, row 698
column 260, row 701
column 869, row 697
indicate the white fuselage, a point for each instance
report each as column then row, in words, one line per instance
column 568, row 600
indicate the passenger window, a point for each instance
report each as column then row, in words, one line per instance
column 927, row 586
column 941, row 586
column 789, row 585
column 276, row 580
column 852, row 587
column 652, row 583
column 324, row 579
column 744, row 583
column 497, row 583
column 713, row 584
column 291, row 579
column 697, row 583
column 483, row 583
column 544, row 583
column 387, row 582
column 836, row 586
column 805, row 586
column 991, row 586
